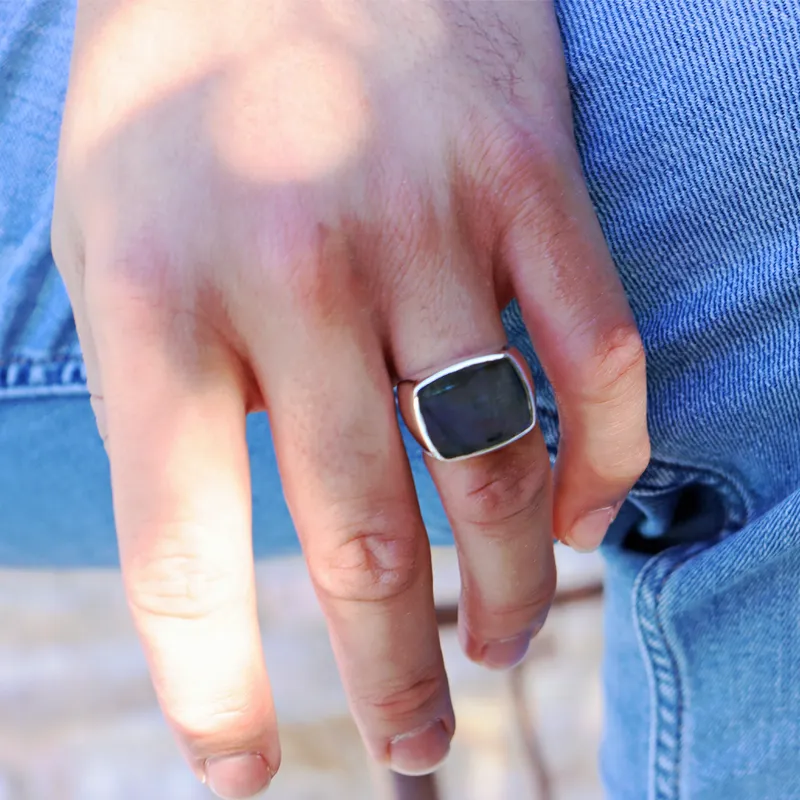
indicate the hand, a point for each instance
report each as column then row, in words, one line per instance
column 291, row 205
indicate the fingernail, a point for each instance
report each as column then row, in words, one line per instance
column 238, row 777
column 420, row 751
column 506, row 653
column 587, row 533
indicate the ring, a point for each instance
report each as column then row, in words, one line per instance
column 472, row 407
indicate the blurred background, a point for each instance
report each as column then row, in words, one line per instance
column 79, row 721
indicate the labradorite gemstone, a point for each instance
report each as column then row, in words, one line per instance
column 475, row 408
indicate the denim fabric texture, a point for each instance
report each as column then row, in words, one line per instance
column 687, row 116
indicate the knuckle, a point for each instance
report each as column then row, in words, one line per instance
column 542, row 167
column 141, row 278
column 504, row 489
column 626, row 468
column 638, row 458
column 528, row 168
column 204, row 723
column 140, row 260
column 371, row 563
column 516, row 612
column 397, row 703
column 537, row 176
column 543, row 171
column 153, row 297
column 182, row 586
column 613, row 383
column 531, row 604
column 317, row 276
column 619, row 362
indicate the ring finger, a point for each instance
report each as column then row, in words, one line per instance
column 498, row 503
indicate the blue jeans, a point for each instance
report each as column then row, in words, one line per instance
column 687, row 115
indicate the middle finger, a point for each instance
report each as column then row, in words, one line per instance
column 499, row 504
column 348, row 485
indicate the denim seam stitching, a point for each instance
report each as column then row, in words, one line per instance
column 53, row 374
column 15, row 360
column 663, row 673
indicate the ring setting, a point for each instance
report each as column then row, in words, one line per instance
column 472, row 407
